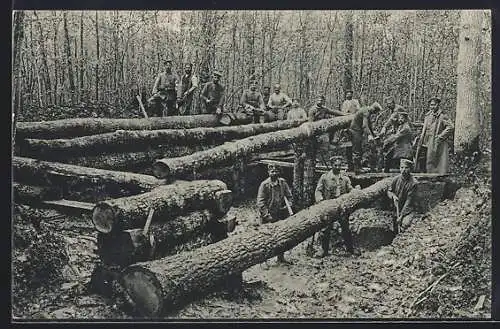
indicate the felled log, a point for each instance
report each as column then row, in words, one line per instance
column 167, row 201
column 29, row 194
column 134, row 140
column 69, row 128
column 105, row 182
column 230, row 151
column 158, row 286
column 298, row 175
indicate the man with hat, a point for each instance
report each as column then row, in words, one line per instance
column 391, row 125
column 189, row 83
column 350, row 105
column 436, row 130
column 274, row 199
column 319, row 111
column 164, row 92
column 252, row 102
column 399, row 144
column 212, row 95
column 360, row 122
column 331, row 185
column 401, row 193
column 277, row 104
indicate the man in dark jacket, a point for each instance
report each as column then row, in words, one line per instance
column 213, row 95
column 272, row 198
column 189, row 84
column 252, row 102
column 391, row 125
column 401, row 193
column 164, row 92
column 399, row 144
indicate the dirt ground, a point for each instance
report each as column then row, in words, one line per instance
column 439, row 267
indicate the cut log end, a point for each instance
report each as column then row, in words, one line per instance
column 160, row 170
column 224, row 201
column 144, row 290
column 103, row 217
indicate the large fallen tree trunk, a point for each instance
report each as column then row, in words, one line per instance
column 106, row 182
column 158, row 286
column 69, row 128
column 230, row 151
column 167, row 201
column 127, row 140
column 29, row 194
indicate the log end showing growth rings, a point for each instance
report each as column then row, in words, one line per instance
column 103, row 218
column 160, row 169
column 144, row 291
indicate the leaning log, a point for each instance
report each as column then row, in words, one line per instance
column 130, row 141
column 159, row 286
column 29, row 194
column 106, row 182
column 230, row 151
column 69, row 128
column 167, row 201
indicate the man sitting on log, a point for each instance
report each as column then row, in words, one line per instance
column 213, row 95
column 274, row 200
column 401, row 193
column 164, row 99
column 331, row 185
column 360, row 122
column 278, row 103
column 296, row 112
column 399, row 144
column 253, row 102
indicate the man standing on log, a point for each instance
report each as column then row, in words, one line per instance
column 401, row 193
column 360, row 122
column 164, row 92
column 350, row 105
column 399, row 144
column 189, row 83
column 213, row 95
column 436, row 130
column 331, row 185
column 253, row 102
column 278, row 103
column 274, row 199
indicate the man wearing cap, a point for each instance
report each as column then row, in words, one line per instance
column 399, row 144
column 331, row 185
column 252, row 101
column 360, row 122
column 436, row 130
column 213, row 95
column 277, row 104
column 271, row 199
column 350, row 105
column 296, row 112
column 391, row 125
column 319, row 111
column 401, row 193
column 189, row 83
column 164, row 92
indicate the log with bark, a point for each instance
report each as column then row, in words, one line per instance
column 31, row 194
column 69, row 128
column 230, row 151
column 167, row 201
column 72, row 178
column 158, row 286
column 131, row 141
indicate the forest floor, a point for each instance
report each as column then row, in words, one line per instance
column 439, row 268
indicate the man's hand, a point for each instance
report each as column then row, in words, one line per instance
column 218, row 111
column 393, row 196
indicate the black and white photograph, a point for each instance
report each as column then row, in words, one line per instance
column 251, row 165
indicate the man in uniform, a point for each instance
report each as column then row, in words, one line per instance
column 189, row 83
column 296, row 112
column 401, row 193
column 331, row 185
column 272, row 198
column 319, row 111
column 391, row 125
column 278, row 103
column 266, row 93
column 436, row 130
column 253, row 102
column 212, row 95
column 399, row 144
column 360, row 122
column 164, row 92
column 350, row 105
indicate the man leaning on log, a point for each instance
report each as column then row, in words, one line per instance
column 331, row 185
column 274, row 200
column 401, row 193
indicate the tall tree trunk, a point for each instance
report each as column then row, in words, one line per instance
column 18, row 32
column 348, row 40
column 43, row 51
column 81, row 62
column 467, row 112
column 57, row 95
column 69, row 62
column 98, row 57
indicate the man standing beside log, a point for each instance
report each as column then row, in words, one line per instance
column 189, row 83
column 399, row 144
column 213, row 95
column 319, row 111
column 391, row 125
column 350, row 105
column 401, row 193
column 296, row 112
column 278, row 103
column 360, row 122
column 331, row 185
column 164, row 92
column 253, row 102
column 274, row 200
